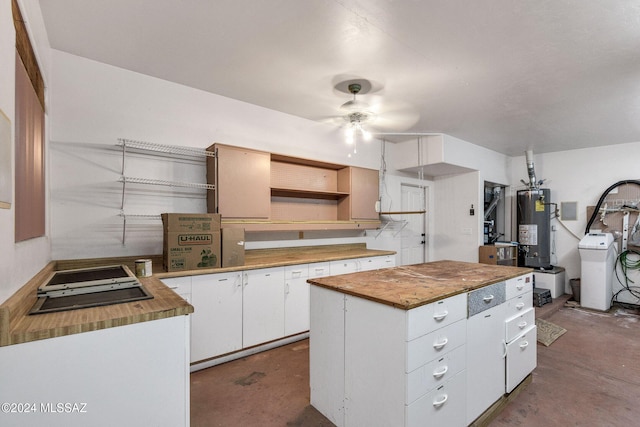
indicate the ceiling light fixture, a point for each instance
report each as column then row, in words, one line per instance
column 357, row 114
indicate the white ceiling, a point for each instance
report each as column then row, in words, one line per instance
column 509, row 75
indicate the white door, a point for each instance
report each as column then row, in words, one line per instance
column 414, row 237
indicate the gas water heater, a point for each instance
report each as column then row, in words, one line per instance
column 534, row 228
column 534, row 222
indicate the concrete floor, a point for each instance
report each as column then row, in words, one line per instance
column 590, row 376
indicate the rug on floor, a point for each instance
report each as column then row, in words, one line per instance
column 548, row 332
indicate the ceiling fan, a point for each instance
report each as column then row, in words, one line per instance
column 357, row 113
column 361, row 120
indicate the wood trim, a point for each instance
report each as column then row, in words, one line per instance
column 26, row 53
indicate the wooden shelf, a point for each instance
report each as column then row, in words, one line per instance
column 289, row 193
column 308, row 194
column 255, row 225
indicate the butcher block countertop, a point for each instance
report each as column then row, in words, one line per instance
column 17, row 326
column 411, row 286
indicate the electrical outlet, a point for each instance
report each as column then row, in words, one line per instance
column 378, row 206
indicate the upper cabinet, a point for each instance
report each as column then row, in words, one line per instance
column 363, row 193
column 242, row 179
column 265, row 191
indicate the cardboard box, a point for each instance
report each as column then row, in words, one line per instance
column 191, row 241
column 232, row 247
column 190, row 223
column 183, row 251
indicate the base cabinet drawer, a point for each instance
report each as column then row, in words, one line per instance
column 519, row 323
column 427, row 318
column 435, row 345
column 427, row 377
column 443, row 406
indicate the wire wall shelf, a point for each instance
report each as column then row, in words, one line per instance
column 135, row 180
column 160, row 148
column 151, row 148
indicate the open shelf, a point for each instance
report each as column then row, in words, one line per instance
column 309, row 194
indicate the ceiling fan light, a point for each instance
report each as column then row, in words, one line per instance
column 349, row 135
column 365, row 134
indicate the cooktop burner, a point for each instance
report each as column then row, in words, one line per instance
column 89, row 287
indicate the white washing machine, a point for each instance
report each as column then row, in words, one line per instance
column 597, row 254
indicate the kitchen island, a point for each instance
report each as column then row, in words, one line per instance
column 429, row 344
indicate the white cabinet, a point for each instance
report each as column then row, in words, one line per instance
column 521, row 357
column 362, row 264
column 376, row 365
column 180, row 285
column 344, row 266
column 296, row 299
column 485, row 349
column 241, row 309
column 520, row 331
column 443, row 406
column 216, row 323
column 262, row 306
column 319, row 269
column 376, row 262
column 296, row 294
column 130, row 375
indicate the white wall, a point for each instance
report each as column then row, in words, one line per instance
column 93, row 104
column 18, row 261
column 454, row 233
column 579, row 176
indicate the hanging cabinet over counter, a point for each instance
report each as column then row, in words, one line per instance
column 261, row 191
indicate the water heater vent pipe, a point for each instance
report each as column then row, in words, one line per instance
column 533, row 184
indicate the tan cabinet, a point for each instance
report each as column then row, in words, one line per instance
column 266, row 191
column 241, row 178
column 363, row 193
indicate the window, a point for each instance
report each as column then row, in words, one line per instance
column 29, row 138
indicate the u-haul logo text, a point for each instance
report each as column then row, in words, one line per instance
column 194, row 239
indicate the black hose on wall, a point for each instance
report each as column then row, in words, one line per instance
column 604, row 195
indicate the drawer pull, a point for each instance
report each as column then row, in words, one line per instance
column 520, row 305
column 522, row 325
column 438, row 403
column 441, row 372
column 439, row 345
column 520, row 286
column 441, row 316
column 524, row 344
column 488, row 298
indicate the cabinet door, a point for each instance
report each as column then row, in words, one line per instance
column 521, row 358
column 296, row 299
column 216, row 323
column 364, row 193
column 243, row 180
column 485, row 360
column 262, row 306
